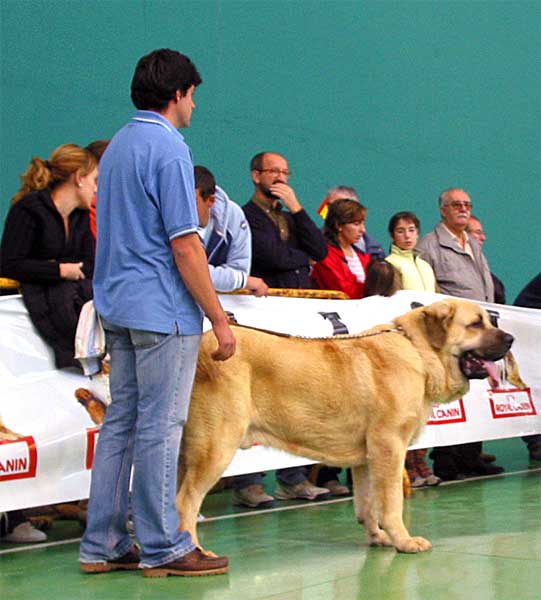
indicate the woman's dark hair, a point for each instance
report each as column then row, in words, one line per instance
column 159, row 75
column 97, row 148
column 204, row 181
column 342, row 212
column 406, row 216
column 382, row 279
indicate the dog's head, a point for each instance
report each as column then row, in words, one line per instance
column 463, row 329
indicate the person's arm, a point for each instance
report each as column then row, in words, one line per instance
column 257, row 286
column 231, row 272
column 270, row 254
column 192, row 265
column 309, row 237
column 18, row 240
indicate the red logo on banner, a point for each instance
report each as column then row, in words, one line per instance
column 92, row 435
column 511, row 403
column 449, row 412
column 18, row 459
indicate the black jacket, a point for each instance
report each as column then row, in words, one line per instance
column 284, row 264
column 33, row 245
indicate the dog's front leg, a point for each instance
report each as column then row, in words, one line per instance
column 386, row 466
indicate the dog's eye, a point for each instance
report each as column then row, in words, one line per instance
column 476, row 325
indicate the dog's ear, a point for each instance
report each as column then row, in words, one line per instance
column 437, row 319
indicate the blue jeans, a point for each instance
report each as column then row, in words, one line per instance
column 151, row 383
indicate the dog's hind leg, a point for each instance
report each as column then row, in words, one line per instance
column 366, row 509
column 198, row 472
column 387, row 453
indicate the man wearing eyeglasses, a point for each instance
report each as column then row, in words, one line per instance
column 461, row 270
column 283, row 244
column 283, row 241
column 457, row 259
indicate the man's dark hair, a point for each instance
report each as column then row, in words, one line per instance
column 256, row 164
column 406, row 216
column 204, row 181
column 159, row 75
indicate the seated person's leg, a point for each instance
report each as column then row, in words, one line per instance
column 293, row 483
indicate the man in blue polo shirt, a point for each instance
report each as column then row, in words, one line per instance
column 151, row 288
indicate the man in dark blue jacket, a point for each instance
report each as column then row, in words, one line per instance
column 283, row 241
column 283, row 244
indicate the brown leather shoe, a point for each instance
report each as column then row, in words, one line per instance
column 127, row 562
column 193, row 564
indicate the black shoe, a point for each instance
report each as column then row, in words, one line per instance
column 535, row 451
column 482, row 468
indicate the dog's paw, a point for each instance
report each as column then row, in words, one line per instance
column 413, row 545
column 379, row 538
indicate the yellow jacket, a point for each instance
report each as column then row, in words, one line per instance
column 416, row 273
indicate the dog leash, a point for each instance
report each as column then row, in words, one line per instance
column 341, row 336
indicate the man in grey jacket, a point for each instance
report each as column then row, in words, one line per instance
column 461, row 270
column 457, row 259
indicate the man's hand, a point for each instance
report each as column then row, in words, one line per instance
column 72, row 271
column 226, row 341
column 257, row 286
column 287, row 195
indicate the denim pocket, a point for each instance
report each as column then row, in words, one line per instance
column 147, row 339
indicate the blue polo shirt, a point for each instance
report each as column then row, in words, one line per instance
column 145, row 199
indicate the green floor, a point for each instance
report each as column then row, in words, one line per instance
column 486, row 536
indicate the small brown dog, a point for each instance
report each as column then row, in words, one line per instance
column 354, row 401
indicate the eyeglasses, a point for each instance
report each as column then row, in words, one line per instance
column 275, row 171
column 467, row 205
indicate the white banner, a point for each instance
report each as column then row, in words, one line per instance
column 51, row 458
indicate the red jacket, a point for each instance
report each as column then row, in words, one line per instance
column 332, row 273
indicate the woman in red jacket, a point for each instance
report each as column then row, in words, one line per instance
column 345, row 266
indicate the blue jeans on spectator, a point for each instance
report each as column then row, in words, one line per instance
column 151, row 382
column 292, row 475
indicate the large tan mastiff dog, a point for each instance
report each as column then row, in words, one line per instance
column 354, row 400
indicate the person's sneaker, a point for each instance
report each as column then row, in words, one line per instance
column 417, row 481
column 193, row 564
column 25, row 533
column 302, row 491
column 336, row 488
column 126, row 562
column 433, row 480
column 252, row 496
column 534, row 451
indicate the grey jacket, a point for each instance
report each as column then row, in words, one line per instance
column 456, row 273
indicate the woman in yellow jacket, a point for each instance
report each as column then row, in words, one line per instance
column 416, row 274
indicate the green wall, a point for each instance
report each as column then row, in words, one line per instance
column 399, row 99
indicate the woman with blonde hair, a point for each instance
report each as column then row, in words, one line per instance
column 47, row 244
